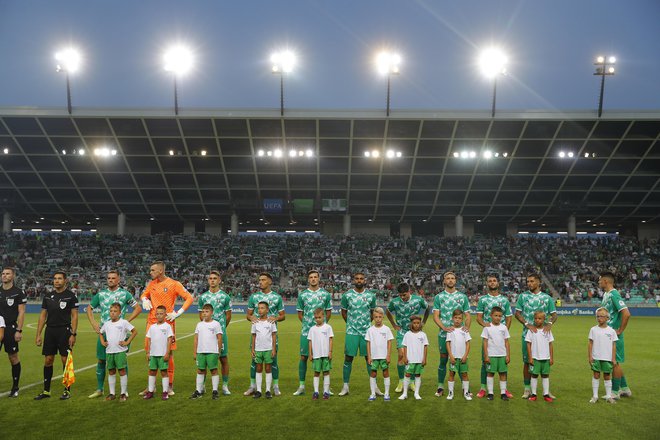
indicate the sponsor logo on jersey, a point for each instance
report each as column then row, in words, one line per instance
column 10, row 302
column 62, row 305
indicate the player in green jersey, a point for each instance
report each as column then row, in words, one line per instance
column 399, row 311
column 221, row 303
column 310, row 299
column 357, row 306
column 275, row 314
column 102, row 301
column 444, row 305
column 484, row 307
column 619, row 317
column 529, row 302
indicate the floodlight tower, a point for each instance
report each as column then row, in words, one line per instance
column 68, row 61
column 387, row 63
column 179, row 61
column 283, row 63
column 604, row 67
column 492, row 63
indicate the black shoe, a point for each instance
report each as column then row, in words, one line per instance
column 504, row 397
column 256, row 394
column 43, row 395
column 489, row 397
column 13, row 393
column 66, row 395
column 215, row 395
column 195, row 395
column 268, row 395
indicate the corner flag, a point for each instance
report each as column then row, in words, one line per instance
column 69, row 377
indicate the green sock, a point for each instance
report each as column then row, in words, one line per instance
column 302, row 371
column 401, row 369
column 624, row 383
column 368, row 368
column 100, row 375
column 348, row 366
column 616, row 384
column 276, row 371
column 484, row 375
column 442, row 371
column 253, row 373
column 225, row 380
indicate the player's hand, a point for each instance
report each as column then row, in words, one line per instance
column 368, row 360
column 273, row 353
column 123, row 343
column 172, row 316
column 149, row 357
column 104, row 343
column 465, row 329
column 618, row 332
column 591, row 360
column 146, row 304
column 552, row 361
column 507, row 359
column 253, row 354
column 487, row 360
column 464, row 359
column 531, row 328
column 96, row 328
column 423, row 363
column 448, row 329
column 531, row 361
column 387, row 359
column 329, row 355
column 397, row 328
column 547, row 328
column 452, row 360
column 253, row 319
column 37, row 341
column 18, row 336
column 166, row 357
column 272, row 319
column 72, row 341
column 486, row 324
column 195, row 356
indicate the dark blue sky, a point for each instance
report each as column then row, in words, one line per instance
column 551, row 45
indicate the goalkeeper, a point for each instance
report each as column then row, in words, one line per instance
column 163, row 291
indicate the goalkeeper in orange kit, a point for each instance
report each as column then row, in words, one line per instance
column 163, row 291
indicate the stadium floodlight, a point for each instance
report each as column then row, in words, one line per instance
column 571, row 154
column 367, row 154
column 6, row 151
column 387, row 63
column 277, row 153
column 68, row 61
column 399, row 154
column 292, row 153
column 492, row 63
column 260, row 153
column 562, row 154
column 464, row 154
column 283, row 63
column 488, row 154
column 456, row 154
column 375, row 153
column 309, row 152
column 473, row 154
column 390, row 154
column 604, row 67
column 178, row 60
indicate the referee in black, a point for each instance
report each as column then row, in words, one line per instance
column 12, row 309
column 59, row 311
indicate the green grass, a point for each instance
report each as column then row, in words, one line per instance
column 236, row 416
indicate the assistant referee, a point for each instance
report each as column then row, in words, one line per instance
column 59, row 311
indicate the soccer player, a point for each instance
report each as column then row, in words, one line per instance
column 399, row 311
column 484, row 306
column 540, row 347
column 159, row 348
column 59, row 312
column 320, row 338
column 12, row 309
column 458, row 348
column 207, row 345
column 619, row 315
column 415, row 349
column 497, row 352
column 379, row 346
column 275, row 314
column 309, row 300
column 444, row 304
column 264, row 347
column 113, row 338
column 602, row 351
column 357, row 307
column 102, row 301
column 163, row 290
column 529, row 302
column 221, row 303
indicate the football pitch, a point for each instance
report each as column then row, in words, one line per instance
column 570, row 416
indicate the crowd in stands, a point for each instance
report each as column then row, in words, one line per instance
column 568, row 266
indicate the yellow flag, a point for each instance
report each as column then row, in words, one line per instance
column 69, row 376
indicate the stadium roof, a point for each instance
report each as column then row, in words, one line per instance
column 612, row 177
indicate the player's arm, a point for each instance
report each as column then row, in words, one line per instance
column 467, row 320
column 328, row 307
column 274, row 336
column 344, row 307
column 195, row 339
column 137, row 309
column 187, row 302
column 427, row 310
column 2, row 332
column 614, row 353
column 449, row 351
column 254, row 341
column 529, row 351
column 104, row 342
column 625, row 317
column 146, row 300
column 552, row 353
column 548, row 326
column 300, row 307
column 390, row 317
column 147, row 345
column 311, row 352
column 437, row 320
column 130, row 338
column 369, row 352
column 74, row 325
column 389, row 351
column 281, row 316
column 219, row 335
column 426, row 350
column 485, row 348
column 590, row 346
column 328, row 314
column 250, row 315
column 19, row 321
column 508, row 321
column 166, row 357
column 508, row 350
column 92, row 321
column 329, row 349
column 344, row 314
column 481, row 322
column 467, row 351
column 405, row 355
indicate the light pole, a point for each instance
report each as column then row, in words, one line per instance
column 387, row 63
column 179, row 61
column 604, row 67
column 493, row 64
column 282, row 63
column 68, row 61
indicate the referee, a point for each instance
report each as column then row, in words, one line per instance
column 12, row 309
column 59, row 311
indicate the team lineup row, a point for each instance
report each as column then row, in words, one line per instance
column 450, row 312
